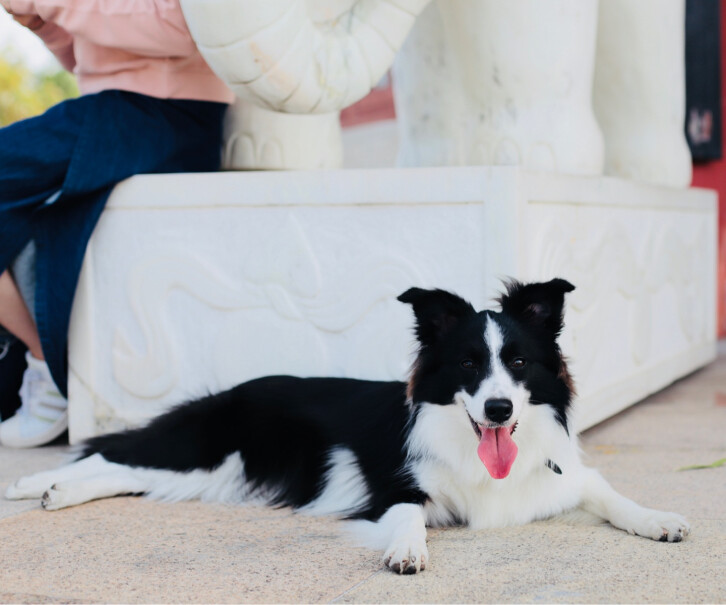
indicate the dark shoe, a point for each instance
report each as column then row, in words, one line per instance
column 12, row 367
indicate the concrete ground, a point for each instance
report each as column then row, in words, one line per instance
column 132, row 550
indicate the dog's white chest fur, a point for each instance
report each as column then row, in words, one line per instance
column 459, row 487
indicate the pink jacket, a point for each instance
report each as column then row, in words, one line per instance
column 141, row 46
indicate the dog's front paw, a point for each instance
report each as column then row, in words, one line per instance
column 407, row 555
column 54, row 498
column 661, row 526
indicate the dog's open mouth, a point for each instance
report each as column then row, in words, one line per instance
column 478, row 428
column 497, row 449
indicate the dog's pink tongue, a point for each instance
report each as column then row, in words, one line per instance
column 497, row 451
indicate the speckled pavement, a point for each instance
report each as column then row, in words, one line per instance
column 135, row 551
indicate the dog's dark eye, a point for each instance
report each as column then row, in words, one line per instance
column 468, row 364
column 518, row 363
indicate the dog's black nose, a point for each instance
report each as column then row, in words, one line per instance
column 498, row 410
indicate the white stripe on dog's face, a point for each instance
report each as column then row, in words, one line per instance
column 497, row 384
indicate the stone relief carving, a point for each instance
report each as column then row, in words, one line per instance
column 284, row 278
column 604, row 263
column 152, row 372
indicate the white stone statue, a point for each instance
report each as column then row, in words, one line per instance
column 296, row 57
column 478, row 81
column 490, row 82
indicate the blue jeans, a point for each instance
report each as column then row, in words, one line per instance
column 58, row 170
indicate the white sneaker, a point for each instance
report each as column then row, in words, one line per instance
column 43, row 414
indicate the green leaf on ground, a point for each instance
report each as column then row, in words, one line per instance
column 694, row 467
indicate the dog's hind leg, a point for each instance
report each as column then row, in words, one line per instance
column 34, row 486
column 600, row 499
column 123, row 481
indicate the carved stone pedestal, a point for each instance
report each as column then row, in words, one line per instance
column 193, row 283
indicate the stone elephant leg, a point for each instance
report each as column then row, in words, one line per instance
column 639, row 93
column 262, row 139
column 521, row 77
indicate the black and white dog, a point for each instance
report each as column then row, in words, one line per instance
column 479, row 435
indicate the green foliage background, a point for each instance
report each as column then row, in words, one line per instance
column 24, row 94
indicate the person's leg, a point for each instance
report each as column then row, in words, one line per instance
column 149, row 136
column 15, row 317
column 120, row 134
column 43, row 412
column 34, row 157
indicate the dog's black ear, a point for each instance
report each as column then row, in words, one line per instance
column 538, row 304
column 437, row 312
